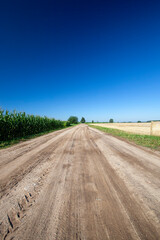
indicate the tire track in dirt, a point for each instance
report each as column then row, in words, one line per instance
column 138, row 167
column 139, row 221
column 20, row 149
column 53, row 198
column 14, row 171
column 83, row 196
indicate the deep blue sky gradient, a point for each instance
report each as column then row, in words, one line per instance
column 97, row 59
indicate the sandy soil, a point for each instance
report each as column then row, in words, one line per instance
column 137, row 128
column 79, row 183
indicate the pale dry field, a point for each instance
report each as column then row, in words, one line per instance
column 138, row 128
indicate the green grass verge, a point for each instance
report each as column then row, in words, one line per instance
column 5, row 144
column 143, row 140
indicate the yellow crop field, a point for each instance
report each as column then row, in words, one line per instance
column 137, row 128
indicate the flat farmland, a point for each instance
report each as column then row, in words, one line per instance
column 136, row 128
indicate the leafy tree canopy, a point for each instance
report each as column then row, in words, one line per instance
column 73, row 119
column 111, row 120
column 83, row 120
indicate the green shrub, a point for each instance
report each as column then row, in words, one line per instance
column 68, row 124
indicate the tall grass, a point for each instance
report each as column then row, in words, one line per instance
column 19, row 124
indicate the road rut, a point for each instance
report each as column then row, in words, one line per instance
column 79, row 183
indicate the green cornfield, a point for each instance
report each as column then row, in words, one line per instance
column 19, row 124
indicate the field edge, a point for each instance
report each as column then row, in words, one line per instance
column 148, row 141
column 9, row 143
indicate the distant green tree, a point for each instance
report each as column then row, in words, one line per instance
column 138, row 121
column 73, row 119
column 92, row 121
column 83, row 120
column 111, row 120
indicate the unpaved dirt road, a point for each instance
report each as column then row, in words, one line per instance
column 79, row 183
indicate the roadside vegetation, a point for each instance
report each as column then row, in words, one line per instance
column 18, row 126
column 143, row 140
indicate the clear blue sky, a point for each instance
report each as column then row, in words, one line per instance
column 97, row 59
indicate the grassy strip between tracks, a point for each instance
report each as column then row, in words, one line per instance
column 143, row 140
column 5, row 144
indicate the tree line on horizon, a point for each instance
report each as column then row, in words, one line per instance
column 112, row 121
column 74, row 120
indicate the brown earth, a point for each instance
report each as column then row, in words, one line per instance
column 79, row 183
